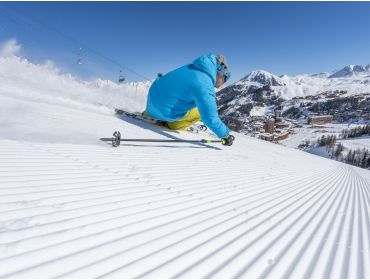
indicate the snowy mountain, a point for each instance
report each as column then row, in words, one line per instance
column 351, row 70
column 352, row 78
column 72, row 206
column 261, row 90
column 263, row 78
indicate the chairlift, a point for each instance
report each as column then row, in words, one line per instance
column 121, row 78
column 79, row 60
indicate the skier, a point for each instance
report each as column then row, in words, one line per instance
column 186, row 95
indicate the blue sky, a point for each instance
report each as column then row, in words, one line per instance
column 150, row 37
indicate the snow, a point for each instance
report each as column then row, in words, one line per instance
column 356, row 82
column 10, row 48
column 303, row 85
column 259, row 111
column 320, row 151
column 263, row 77
column 312, row 134
column 23, row 80
column 362, row 142
column 74, row 207
column 351, row 70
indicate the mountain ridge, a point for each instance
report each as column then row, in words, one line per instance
column 351, row 70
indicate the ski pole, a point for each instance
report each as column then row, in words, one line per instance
column 116, row 140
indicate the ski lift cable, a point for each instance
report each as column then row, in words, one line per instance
column 67, row 37
column 11, row 18
column 79, row 43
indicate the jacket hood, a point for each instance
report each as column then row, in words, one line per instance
column 208, row 65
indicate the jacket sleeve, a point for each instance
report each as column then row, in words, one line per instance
column 205, row 100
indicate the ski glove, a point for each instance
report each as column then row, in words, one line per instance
column 227, row 141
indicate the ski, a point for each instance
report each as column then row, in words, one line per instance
column 162, row 124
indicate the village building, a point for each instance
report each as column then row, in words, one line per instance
column 281, row 136
column 270, row 125
column 283, row 125
column 320, row 119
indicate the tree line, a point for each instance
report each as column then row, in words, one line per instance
column 356, row 132
column 358, row 157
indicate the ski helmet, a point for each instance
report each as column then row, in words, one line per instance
column 222, row 67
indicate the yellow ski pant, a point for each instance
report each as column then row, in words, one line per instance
column 189, row 119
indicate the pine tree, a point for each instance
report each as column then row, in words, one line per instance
column 338, row 150
column 364, row 159
column 349, row 157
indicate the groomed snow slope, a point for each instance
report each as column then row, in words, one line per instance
column 251, row 210
column 73, row 207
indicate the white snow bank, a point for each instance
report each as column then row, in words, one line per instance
column 10, row 48
column 45, row 83
column 40, row 103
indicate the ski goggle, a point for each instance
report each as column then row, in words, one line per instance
column 224, row 71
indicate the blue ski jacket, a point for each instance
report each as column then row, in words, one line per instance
column 170, row 97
